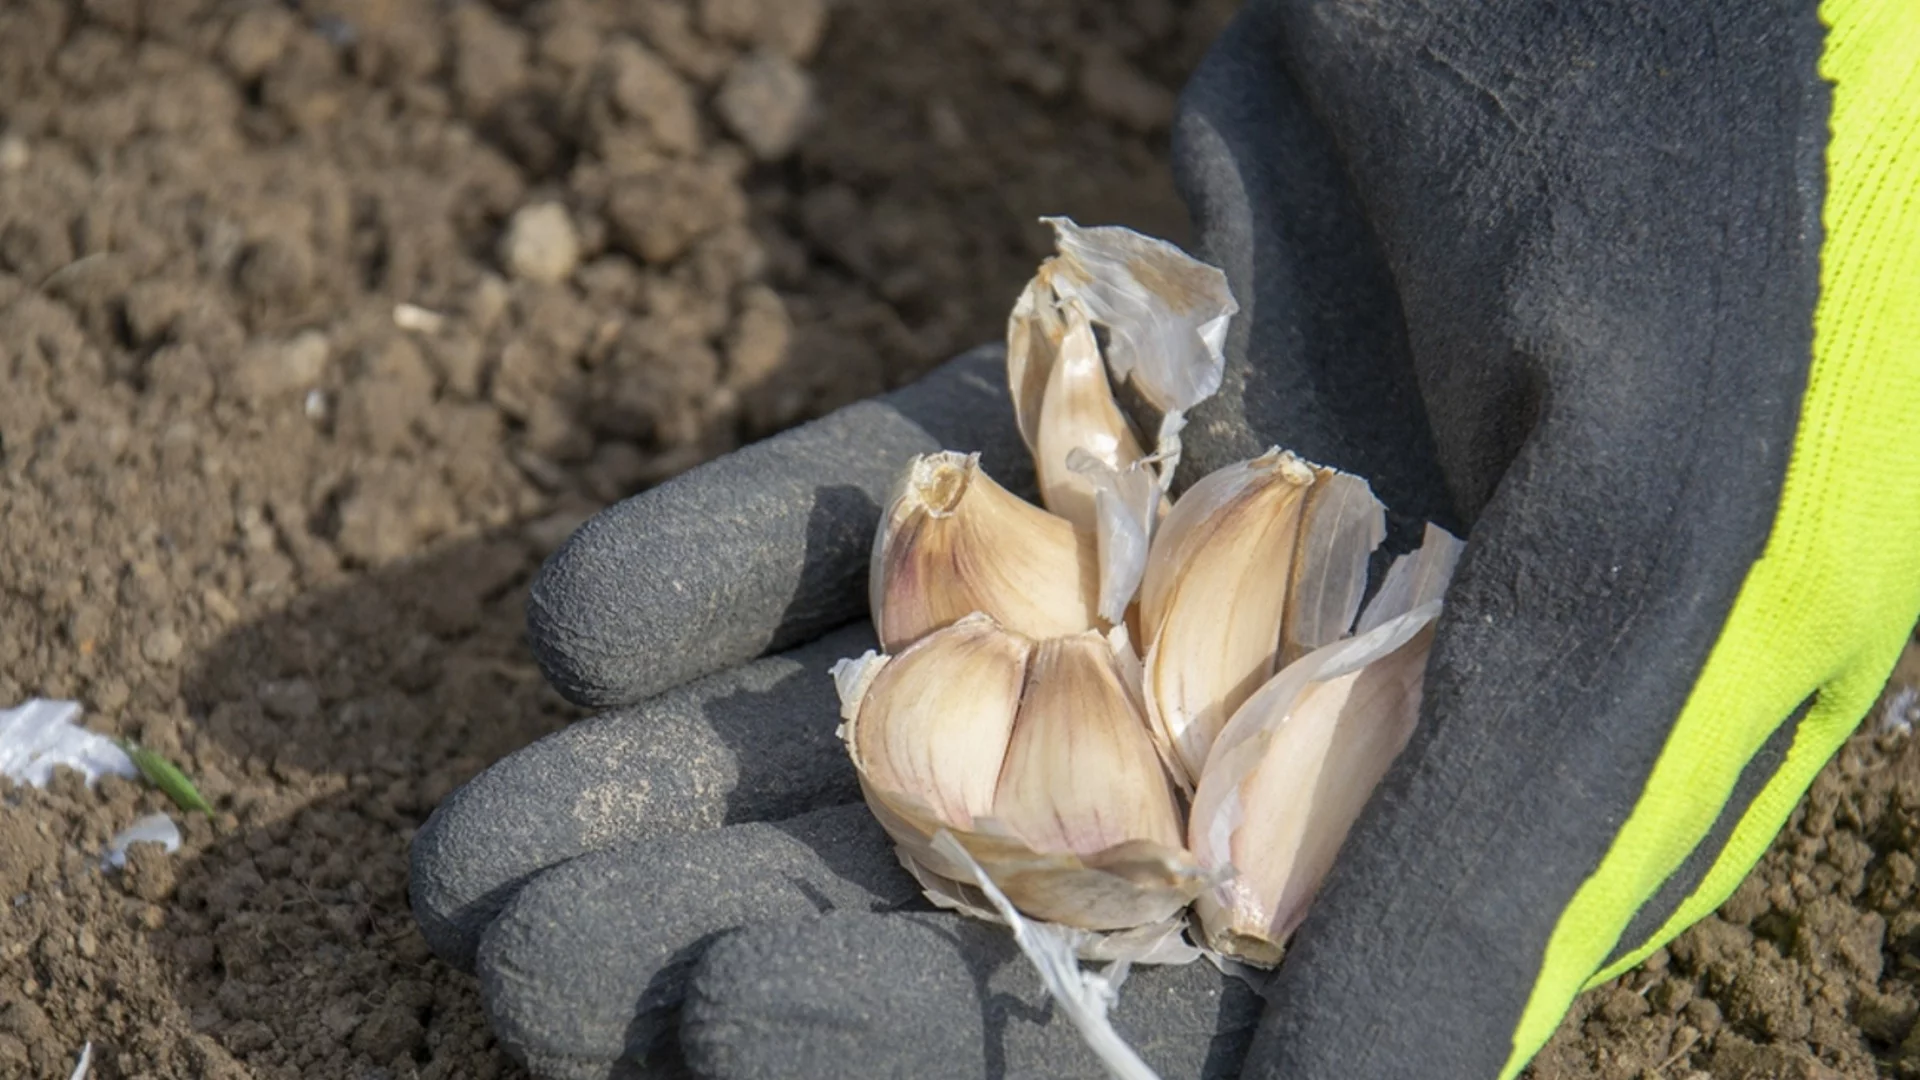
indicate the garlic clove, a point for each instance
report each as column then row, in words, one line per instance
column 1081, row 773
column 934, row 721
column 1278, row 805
column 1258, row 563
column 1034, row 334
column 1063, row 400
column 1078, row 415
column 1213, row 599
column 954, row 542
column 1295, row 766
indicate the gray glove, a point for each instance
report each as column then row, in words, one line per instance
column 694, row 875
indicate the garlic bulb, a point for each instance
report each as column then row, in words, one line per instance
column 953, row 542
column 1036, row 757
column 1100, row 713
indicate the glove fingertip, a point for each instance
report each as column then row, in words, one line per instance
column 932, row 995
column 675, row 582
column 758, row 550
column 844, row 994
column 588, row 960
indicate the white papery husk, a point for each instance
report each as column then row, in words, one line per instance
column 1131, row 884
column 1258, row 562
column 1134, row 895
column 1127, row 504
column 1084, row 996
column 1166, row 313
column 1292, row 770
column 39, row 735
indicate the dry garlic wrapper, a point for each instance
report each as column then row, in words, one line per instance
column 1036, row 757
column 1295, row 766
column 953, row 542
column 1166, row 313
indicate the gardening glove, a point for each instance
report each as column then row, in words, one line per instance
column 1658, row 269
column 1617, row 302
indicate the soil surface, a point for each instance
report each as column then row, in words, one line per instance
column 321, row 324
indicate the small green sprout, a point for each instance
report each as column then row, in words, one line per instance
column 166, row 776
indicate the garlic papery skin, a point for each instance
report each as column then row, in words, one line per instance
column 1165, row 311
column 1344, row 524
column 1081, row 774
column 1294, row 768
column 1058, row 791
column 1127, row 505
column 954, row 542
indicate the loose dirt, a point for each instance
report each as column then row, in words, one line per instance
column 321, row 324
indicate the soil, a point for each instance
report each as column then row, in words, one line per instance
column 322, row 323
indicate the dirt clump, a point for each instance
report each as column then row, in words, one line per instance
column 322, row 323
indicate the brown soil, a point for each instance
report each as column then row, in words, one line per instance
column 279, row 528
column 281, row 532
